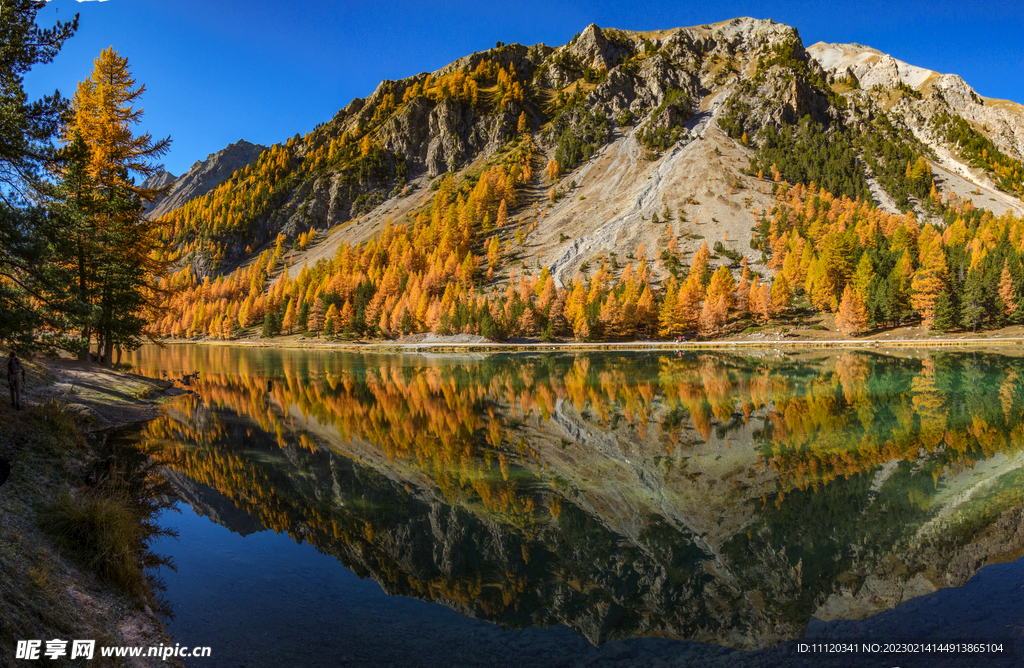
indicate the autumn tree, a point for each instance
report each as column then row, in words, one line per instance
column 122, row 266
column 1006, row 292
column 316, row 316
column 288, row 323
column 502, row 214
column 713, row 316
column 347, row 314
column 743, row 291
column 227, row 329
column 759, row 301
column 552, row 170
column 523, row 124
column 781, row 295
column 929, row 282
column 611, row 316
column 722, row 285
column 667, row 325
column 700, row 268
column 862, row 276
column 646, row 311
column 852, row 316
column 687, row 310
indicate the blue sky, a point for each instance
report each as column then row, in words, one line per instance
column 221, row 70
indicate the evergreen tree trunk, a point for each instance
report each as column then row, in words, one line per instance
column 108, row 352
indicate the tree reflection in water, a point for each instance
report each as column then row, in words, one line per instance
column 706, row 496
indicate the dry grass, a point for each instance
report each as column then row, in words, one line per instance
column 103, row 533
column 33, row 601
column 68, row 558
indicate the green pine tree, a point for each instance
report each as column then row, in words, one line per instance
column 897, row 300
column 972, row 301
column 271, row 325
column 945, row 317
column 33, row 242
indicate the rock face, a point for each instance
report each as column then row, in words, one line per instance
column 1003, row 121
column 670, row 84
column 203, row 177
column 158, row 180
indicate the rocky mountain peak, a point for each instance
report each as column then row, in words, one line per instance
column 594, row 50
column 639, row 124
column 158, row 180
column 1002, row 122
column 203, row 176
column 870, row 66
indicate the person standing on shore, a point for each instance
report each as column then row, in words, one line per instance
column 15, row 379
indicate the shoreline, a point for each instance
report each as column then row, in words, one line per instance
column 57, row 588
column 101, row 399
column 624, row 346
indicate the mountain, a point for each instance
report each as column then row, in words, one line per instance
column 202, row 177
column 611, row 167
column 916, row 98
column 158, row 180
column 638, row 123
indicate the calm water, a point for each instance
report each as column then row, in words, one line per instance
column 592, row 509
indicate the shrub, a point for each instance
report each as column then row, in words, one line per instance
column 104, row 533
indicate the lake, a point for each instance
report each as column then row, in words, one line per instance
column 607, row 509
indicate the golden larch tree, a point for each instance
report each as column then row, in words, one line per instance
column 928, row 282
column 781, row 296
column 288, row 323
column 1006, row 292
column 552, row 170
column 688, row 305
column 666, row 315
column 852, row 316
column 316, row 316
column 699, row 268
column 523, row 124
column 722, row 285
column 119, row 265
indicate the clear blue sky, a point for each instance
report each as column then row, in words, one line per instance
column 221, row 70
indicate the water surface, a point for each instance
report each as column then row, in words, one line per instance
column 610, row 508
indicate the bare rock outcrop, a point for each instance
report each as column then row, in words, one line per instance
column 1002, row 122
column 158, row 180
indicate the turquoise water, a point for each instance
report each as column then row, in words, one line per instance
column 591, row 509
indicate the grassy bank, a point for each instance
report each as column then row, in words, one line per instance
column 74, row 529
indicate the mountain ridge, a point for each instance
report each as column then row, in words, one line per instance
column 435, row 138
column 587, row 163
column 202, row 177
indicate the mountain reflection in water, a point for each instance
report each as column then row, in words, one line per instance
column 712, row 497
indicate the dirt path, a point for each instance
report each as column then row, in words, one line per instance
column 100, row 398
